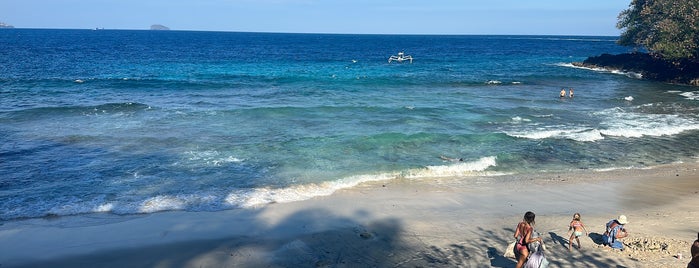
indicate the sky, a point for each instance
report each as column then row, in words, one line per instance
column 528, row 17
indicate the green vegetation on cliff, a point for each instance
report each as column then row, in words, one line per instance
column 666, row 28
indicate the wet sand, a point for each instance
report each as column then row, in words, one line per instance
column 443, row 222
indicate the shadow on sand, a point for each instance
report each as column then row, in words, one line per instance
column 597, row 238
column 557, row 239
column 332, row 241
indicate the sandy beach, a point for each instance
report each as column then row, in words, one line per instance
column 441, row 222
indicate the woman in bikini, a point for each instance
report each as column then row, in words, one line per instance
column 523, row 234
column 577, row 226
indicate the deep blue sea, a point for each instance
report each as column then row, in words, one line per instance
column 125, row 122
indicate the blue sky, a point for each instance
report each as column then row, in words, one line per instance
column 549, row 17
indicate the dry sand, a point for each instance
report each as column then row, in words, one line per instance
column 447, row 222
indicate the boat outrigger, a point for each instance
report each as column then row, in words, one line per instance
column 400, row 57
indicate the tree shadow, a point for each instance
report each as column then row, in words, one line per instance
column 330, row 241
column 492, row 243
column 322, row 238
column 498, row 260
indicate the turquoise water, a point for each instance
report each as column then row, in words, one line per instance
column 141, row 121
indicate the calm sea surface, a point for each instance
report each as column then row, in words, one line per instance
column 143, row 121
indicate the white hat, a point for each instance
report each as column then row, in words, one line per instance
column 622, row 219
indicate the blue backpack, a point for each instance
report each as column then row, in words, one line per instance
column 609, row 237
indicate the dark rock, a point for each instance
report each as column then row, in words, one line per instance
column 654, row 68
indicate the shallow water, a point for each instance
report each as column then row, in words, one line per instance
column 143, row 121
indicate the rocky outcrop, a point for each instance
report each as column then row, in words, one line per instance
column 650, row 67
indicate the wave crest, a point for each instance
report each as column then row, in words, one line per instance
column 634, row 125
column 577, row 134
column 616, row 122
column 262, row 196
column 460, row 169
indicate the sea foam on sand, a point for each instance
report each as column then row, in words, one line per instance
column 431, row 222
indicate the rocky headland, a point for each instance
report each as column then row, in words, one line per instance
column 653, row 68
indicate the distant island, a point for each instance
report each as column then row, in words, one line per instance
column 5, row 25
column 159, row 27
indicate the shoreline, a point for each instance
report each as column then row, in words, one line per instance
column 441, row 222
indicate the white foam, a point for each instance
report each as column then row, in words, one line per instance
column 161, row 203
column 536, row 135
column 64, row 206
column 614, row 168
column 212, row 201
column 629, row 98
column 210, row 158
column 602, row 70
column 263, row 196
column 577, row 134
column 616, row 122
column 493, row 82
column 588, row 135
column 460, row 169
column 518, row 119
column 633, row 125
column 691, row 95
column 543, row 115
column 104, row 208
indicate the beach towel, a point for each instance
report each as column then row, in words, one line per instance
column 537, row 259
column 510, row 250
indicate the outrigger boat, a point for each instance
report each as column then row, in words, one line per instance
column 400, row 57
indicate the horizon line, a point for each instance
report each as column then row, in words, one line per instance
column 319, row 33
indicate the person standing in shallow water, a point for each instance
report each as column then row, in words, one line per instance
column 570, row 92
column 523, row 234
column 563, row 93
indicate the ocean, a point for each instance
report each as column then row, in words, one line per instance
column 131, row 122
